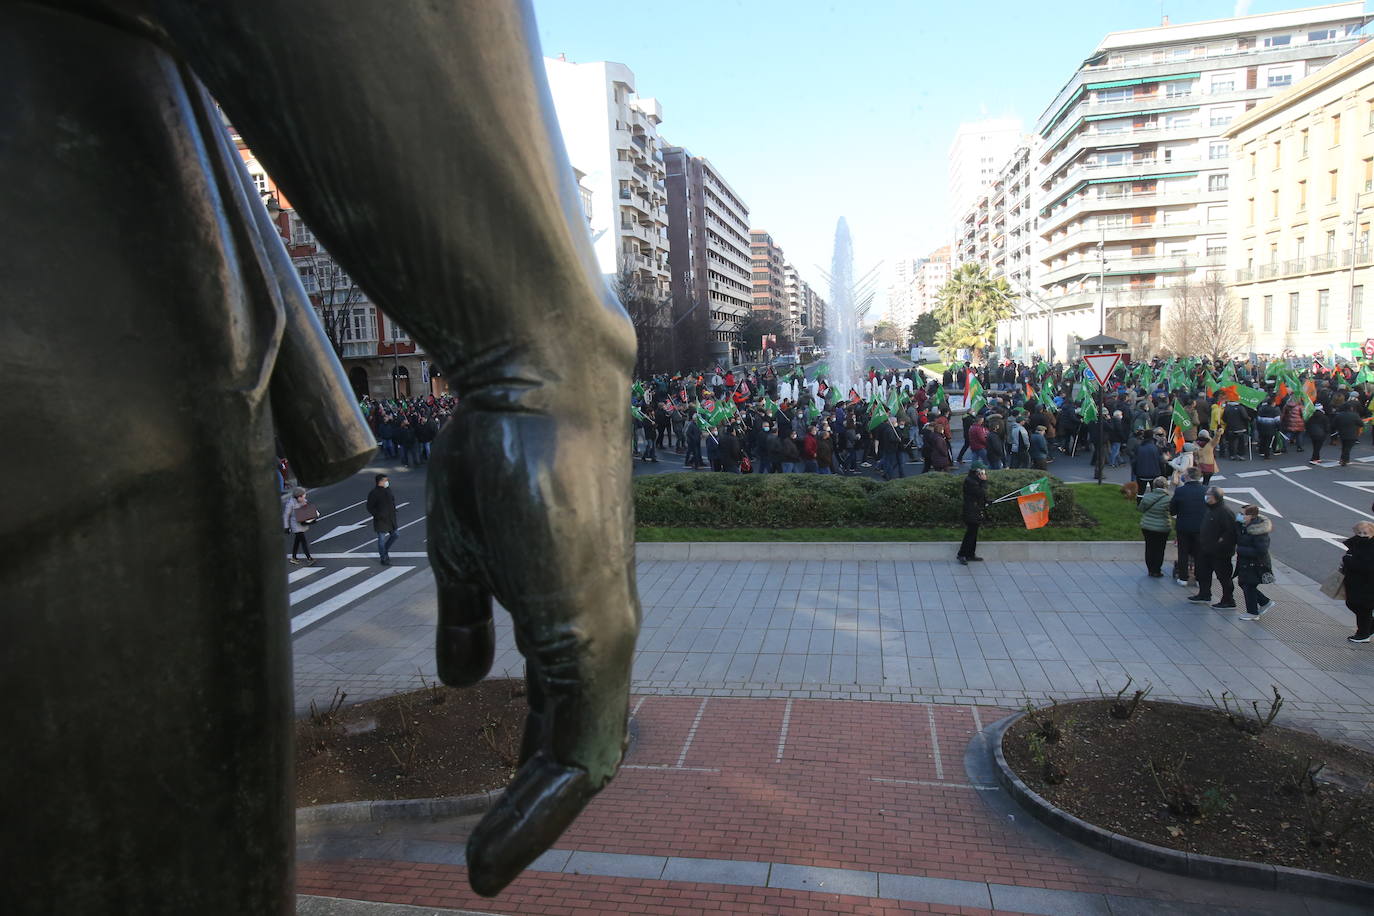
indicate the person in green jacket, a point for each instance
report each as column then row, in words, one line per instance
column 1154, row 525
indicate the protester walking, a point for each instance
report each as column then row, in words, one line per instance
column 975, row 501
column 1253, row 567
column 1154, row 526
column 1216, row 545
column 381, row 505
column 297, row 515
column 1147, row 464
column 1358, row 567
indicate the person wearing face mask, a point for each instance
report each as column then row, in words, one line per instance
column 1358, row 568
column 1252, row 559
column 1216, row 544
column 381, row 505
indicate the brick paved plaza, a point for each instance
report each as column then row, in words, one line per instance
column 807, row 738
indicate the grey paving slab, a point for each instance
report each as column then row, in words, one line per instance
column 716, row 871
column 1048, row 902
column 947, row 891
column 826, row 880
column 615, row 864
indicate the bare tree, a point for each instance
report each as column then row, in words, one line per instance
column 1204, row 320
column 651, row 314
column 334, row 295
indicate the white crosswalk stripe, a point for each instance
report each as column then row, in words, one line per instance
column 319, row 585
column 300, row 574
column 338, row 602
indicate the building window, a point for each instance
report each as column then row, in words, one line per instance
column 1253, row 164
column 1331, row 241
column 1245, row 314
column 1332, row 178
column 1277, row 41
column 1371, row 115
column 1300, row 247
column 259, row 182
column 1323, row 305
column 1292, row 311
column 1269, row 313
column 1218, row 149
column 1302, row 195
column 1274, row 203
column 1280, row 79
column 1223, row 85
column 397, row 333
column 1221, row 117
column 1357, row 307
column 1216, row 182
column 1369, row 174
column 1336, row 130
column 1178, row 89
column 1114, row 95
column 1321, row 35
column 1250, row 204
column 1305, row 139
column 1278, row 153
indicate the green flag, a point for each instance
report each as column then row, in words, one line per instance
column 1181, row 419
column 821, row 370
column 1041, row 368
column 1088, row 411
column 1038, row 486
column 637, row 389
column 637, row 413
column 976, row 399
column 770, row 405
column 1250, row 397
column 878, row 418
column 940, row 397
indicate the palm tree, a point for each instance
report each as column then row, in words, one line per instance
column 970, row 304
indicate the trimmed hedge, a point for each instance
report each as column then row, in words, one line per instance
column 708, row 500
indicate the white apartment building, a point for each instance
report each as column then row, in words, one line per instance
column 1134, row 162
column 1302, row 198
column 931, row 275
column 611, row 135
column 805, row 309
column 901, row 293
column 979, row 149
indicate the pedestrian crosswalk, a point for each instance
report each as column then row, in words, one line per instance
column 318, row 592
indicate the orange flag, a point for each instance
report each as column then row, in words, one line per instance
column 1178, row 439
column 1280, row 393
column 1035, row 510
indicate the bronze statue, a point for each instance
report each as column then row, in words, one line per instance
column 154, row 334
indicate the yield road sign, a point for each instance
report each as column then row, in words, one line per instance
column 1102, row 365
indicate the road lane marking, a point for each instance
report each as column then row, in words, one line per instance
column 329, row 581
column 1296, row 468
column 325, row 608
column 337, row 511
column 1256, row 498
column 1325, row 497
column 373, row 542
column 400, row 554
column 1253, row 474
column 302, row 573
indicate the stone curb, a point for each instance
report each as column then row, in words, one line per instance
column 1193, row 865
column 401, row 809
column 920, row 551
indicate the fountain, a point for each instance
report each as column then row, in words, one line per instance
column 845, row 343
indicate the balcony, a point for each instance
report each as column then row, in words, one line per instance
column 1090, row 204
column 1133, row 168
column 1317, row 263
column 1124, row 265
column 1091, row 235
column 1154, row 133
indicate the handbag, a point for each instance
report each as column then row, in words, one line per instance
column 745, row 465
column 1333, row 586
column 305, row 514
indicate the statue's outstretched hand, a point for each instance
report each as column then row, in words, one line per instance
column 524, row 507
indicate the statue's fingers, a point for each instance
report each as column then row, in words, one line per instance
column 465, row 638
column 579, row 675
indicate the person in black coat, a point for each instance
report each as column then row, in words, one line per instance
column 1189, row 506
column 1318, row 429
column 1215, row 547
column 1252, row 559
column 975, row 501
column 1358, row 567
column 1147, row 464
column 1348, row 426
column 381, row 505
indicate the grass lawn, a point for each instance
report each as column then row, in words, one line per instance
column 1116, row 517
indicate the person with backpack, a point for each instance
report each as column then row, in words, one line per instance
column 297, row 515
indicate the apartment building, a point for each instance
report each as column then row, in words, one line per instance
column 930, row 277
column 379, row 356
column 766, row 263
column 1301, row 202
column 901, row 293
column 611, row 135
column 708, row 231
column 1134, row 163
column 977, row 152
column 805, row 312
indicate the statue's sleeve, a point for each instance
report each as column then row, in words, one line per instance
column 418, row 141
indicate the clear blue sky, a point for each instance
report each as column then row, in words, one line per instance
column 813, row 109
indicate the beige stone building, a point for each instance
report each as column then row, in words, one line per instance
column 1301, row 202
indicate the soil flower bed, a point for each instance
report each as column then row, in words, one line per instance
column 1208, row 781
column 436, row 742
